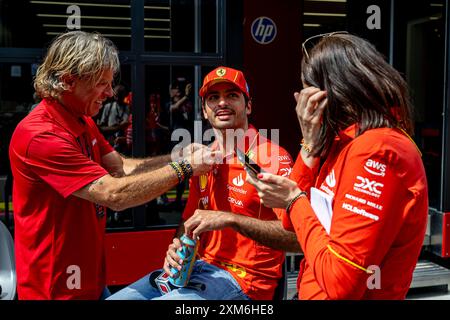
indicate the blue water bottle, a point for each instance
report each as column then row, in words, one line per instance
column 188, row 253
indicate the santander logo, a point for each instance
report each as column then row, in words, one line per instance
column 331, row 179
column 238, row 181
column 375, row 168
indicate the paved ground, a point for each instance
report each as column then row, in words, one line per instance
column 432, row 293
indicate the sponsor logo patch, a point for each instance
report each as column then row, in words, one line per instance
column 203, row 181
column 359, row 211
column 238, row 181
column 238, row 190
column 284, row 158
column 331, row 179
column 238, row 203
column 364, row 201
column 205, row 202
column 285, row 172
column 370, row 187
column 376, row 168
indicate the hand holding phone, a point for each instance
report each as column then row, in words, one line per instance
column 251, row 166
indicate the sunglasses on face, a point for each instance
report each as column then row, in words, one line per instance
column 309, row 42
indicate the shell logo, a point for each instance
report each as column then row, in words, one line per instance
column 203, row 181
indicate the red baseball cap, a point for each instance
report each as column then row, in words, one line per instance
column 225, row 74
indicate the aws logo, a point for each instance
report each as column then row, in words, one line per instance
column 375, row 168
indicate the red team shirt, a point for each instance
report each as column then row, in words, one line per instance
column 256, row 267
column 380, row 204
column 59, row 238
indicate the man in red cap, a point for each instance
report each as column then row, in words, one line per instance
column 241, row 242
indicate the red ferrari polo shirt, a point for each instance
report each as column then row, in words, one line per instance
column 59, row 238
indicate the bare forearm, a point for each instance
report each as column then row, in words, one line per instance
column 130, row 191
column 268, row 233
column 177, row 104
column 137, row 166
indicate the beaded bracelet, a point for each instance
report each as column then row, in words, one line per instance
column 187, row 168
column 178, row 171
column 291, row 203
column 183, row 168
column 306, row 146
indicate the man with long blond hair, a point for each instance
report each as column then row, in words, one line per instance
column 65, row 173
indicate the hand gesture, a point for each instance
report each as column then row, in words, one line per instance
column 178, row 152
column 203, row 159
column 311, row 103
column 274, row 191
column 207, row 220
column 172, row 259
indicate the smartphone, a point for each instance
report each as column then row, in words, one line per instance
column 252, row 166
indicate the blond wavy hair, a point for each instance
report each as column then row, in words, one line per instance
column 76, row 53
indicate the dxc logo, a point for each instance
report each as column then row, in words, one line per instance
column 264, row 30
column 366, row 184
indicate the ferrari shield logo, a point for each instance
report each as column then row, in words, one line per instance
column 221, row 72
column 203, row 181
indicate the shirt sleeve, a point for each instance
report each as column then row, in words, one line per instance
column 103, row 145
column 60, row 163
column 284, row 170
column 303, row 175
column 305, row 178
column 367, row 216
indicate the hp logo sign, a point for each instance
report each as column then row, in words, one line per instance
column 264, row 30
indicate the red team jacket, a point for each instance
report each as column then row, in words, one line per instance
column 380, row 205
column 255, row 267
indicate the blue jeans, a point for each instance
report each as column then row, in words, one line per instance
column 214, row 284
column 105, row 294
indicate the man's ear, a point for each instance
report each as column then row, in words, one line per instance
column 205, row 115
column 68, row 81
column 248, row 107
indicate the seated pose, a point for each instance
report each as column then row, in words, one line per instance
column 242, row 242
